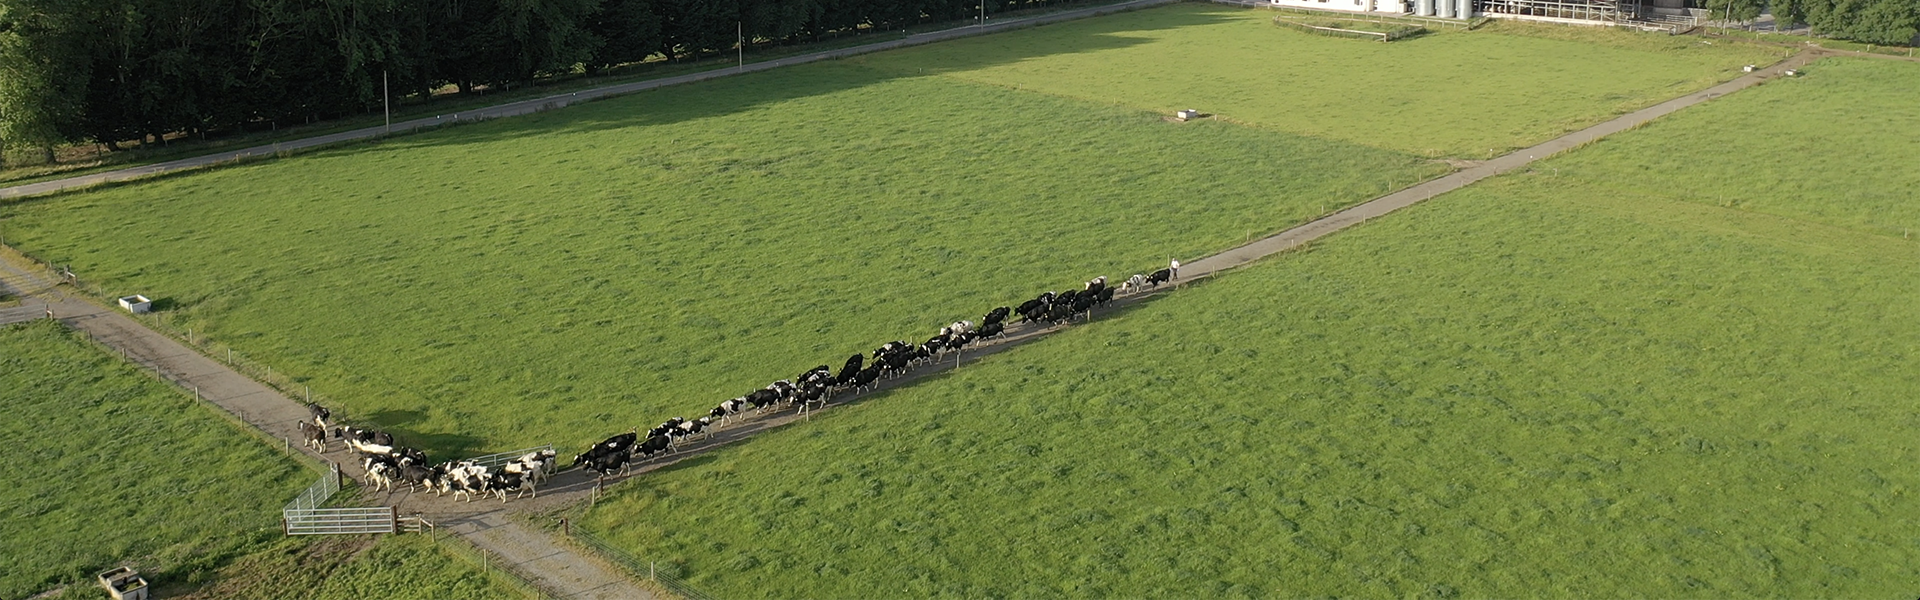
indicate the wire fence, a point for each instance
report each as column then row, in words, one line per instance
column 500, row 458
column 501, row 571
column 665, row 574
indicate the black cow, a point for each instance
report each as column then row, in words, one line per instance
column 1156, row 278
column 851, row 369
column 608, row 464
column 992, row 330
column 995, row 316
column 1105, row 296
column 608, row 447
column 1035, row 309
column 409, row 456
column 762, row 398
column 654, row 445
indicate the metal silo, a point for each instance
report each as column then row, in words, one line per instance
column 1444, row 8
column 1423, row 8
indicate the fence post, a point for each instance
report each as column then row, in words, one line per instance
column 395, row 512
column 285, row 527
column 650, row 572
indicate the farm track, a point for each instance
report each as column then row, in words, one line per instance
column 501, row 528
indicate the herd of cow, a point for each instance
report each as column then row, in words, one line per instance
column 812, row 388
column 387, row 464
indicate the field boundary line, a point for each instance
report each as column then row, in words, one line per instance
column 542, row 104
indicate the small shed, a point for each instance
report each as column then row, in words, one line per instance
column 124, row 583
column 136, row 304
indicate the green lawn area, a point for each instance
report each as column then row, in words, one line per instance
column 115, row 465
column 1450, row 93
column 555, row 277
column 1544, row 385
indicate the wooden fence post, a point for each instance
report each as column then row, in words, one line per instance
column 394, row 511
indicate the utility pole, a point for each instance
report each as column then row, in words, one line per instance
column 983, row 13
column 740, row 43
column 386, row 100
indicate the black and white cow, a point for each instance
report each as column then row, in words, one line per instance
column 313, row 436
column 1158, row 277
column 320, row 415
column 995, row 316
column 613, row 445
column 851, row 369
column 1035, row 309
column 500, row 483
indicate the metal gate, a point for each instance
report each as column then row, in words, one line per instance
column 338, row 521
column 500, row 458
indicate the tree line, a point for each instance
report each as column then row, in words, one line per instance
column 109, row 71
column 1884, row 22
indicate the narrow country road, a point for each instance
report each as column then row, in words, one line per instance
column 559, row 567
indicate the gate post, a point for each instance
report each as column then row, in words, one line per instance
column 394, row 511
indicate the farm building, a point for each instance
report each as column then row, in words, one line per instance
column 1592, row 11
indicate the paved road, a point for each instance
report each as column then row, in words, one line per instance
column 555, row 566
column 551, row 102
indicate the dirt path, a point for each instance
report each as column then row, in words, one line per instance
column 525, row 107
column 535, row 554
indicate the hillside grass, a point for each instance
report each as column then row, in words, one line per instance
column 1543, row 385
column 550, row 278
column 1446, row 94
column 115, row 465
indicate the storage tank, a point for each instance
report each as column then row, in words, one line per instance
column 1443, row 8
column 1423, row 8
column 1464, row 9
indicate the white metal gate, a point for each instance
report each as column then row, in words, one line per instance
column 339, row 521
column 500, row 458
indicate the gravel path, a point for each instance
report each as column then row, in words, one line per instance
column 557, row 567
column 524, row 107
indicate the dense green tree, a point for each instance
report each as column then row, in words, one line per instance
column 43, row 72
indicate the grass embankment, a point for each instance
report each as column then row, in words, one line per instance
column 1542, row 385
column 118, row 466
column 1446, row 94
column 553, row 277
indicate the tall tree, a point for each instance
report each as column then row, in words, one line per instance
column 44, row 69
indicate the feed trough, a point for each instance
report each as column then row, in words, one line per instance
column 123, row 584
column 136, row 304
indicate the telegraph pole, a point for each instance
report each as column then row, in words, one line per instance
column 386, row 100
column 740, row 35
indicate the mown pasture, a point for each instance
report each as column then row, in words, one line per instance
column 398, row 567
column 556, row 277
column 1547, row 384
column 1453, row 94
column 118, row 466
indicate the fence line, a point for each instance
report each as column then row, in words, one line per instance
column 316, row 495
column 464, row 549
column 667, row 575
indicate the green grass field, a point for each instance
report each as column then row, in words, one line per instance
column 118, row 466
column 402, row 567
column 1455, row 94
column 555, row 277
column 1544, row 385
column 1831, row 148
